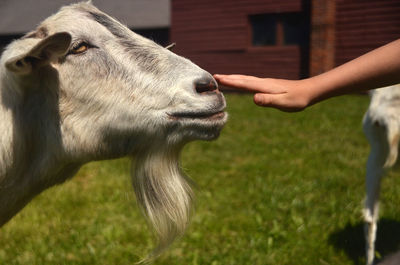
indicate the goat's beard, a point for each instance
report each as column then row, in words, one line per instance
column 164, row 194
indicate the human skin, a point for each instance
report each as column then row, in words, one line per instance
column 378, row 68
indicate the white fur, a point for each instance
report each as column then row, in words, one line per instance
column 382, row 128
column 122, row 97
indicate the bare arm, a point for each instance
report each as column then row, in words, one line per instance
column 378, row 68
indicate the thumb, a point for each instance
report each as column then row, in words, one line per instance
column 264, row 100
column 278, row 101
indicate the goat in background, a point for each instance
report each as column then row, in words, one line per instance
column 382, row 127
column 83, row 87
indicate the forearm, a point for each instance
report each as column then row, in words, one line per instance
column 378, row 68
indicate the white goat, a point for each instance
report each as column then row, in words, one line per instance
column 83, row 87
column 382, row 128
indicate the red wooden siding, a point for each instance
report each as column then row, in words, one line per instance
column 216, row 36
column 362, row 26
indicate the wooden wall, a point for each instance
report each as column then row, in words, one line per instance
column 215, row 35
column 363, row 25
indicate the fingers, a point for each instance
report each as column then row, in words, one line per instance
column 244, row 77
column 248, row 83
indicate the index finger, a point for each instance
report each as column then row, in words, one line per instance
column 244, row 82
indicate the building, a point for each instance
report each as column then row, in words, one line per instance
column 286, row 39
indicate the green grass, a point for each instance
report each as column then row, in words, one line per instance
column 275, row 188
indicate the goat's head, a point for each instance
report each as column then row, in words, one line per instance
column 120, row 83
column 121, row 94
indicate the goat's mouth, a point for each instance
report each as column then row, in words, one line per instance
column 189, row 115
column 199, row 125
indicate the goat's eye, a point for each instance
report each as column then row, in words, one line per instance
column 80, row 48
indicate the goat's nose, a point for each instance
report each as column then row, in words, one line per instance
column 205, row 85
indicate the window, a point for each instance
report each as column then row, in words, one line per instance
column 263, row 30
column 279, row 29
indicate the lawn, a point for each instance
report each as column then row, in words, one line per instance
column 275, row 188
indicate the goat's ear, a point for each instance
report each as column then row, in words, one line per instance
column 44, row 52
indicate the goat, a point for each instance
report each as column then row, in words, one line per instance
column 83, row 87
column 381, row 126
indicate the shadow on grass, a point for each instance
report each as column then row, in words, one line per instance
column 351, row 240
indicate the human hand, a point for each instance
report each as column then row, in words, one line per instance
column 286, row 95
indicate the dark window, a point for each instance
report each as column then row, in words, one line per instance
column 279, row 29
column 263, row 30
